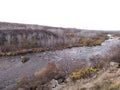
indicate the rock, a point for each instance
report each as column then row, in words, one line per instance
column 60, row 81
column 59, row 87
column 89, row 85
column 24, row 59
column 68, row 80
column 53, row 83
column 114, row 64
column 12, row 60
column 95, row 76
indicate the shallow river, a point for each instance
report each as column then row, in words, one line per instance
column 11, row 68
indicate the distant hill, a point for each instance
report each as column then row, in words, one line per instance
column 7, row 25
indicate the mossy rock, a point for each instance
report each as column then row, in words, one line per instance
column 24, row 59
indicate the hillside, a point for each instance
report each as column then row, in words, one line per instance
column 36, row 57
column 103, row 80
column 25, row 38
column 7, row 26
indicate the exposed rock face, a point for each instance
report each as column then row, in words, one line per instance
column 11, row 40
column 15, row 36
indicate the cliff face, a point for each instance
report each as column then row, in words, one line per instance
column 21, row 37
column 16, row 37
column 24, row 36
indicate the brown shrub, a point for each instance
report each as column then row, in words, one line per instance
column 115, row 54
column 46, row 74
column 67, row 66
column 40, row 79
column 26, row 84
column 99, row 61
column 22, row 81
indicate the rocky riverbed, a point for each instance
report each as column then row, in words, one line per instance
column 11, row 68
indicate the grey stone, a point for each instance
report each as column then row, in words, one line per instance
column 53, row 83
column 114, row 64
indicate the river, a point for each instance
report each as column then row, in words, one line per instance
column 11, row 68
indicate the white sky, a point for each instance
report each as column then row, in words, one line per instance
column 84, row 14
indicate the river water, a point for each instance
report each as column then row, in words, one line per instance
column 11, row 68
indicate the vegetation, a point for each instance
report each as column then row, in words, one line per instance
column 40, row 78
column 92, row 41
column 107, row 77
column 105, row 80
column 53, row 71
column 30, row 47
column 47, row 73
column 107, row 86
column 115, row 54
column 84, row 73
column 27, row 39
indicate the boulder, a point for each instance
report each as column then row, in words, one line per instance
column 114, row 64
column 53, row 83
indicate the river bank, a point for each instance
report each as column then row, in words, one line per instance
column 11, row 68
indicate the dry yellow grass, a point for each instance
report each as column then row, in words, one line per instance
column 104, row 80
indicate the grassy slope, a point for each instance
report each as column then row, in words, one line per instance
column 103, row 80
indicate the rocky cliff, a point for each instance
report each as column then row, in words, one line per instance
column 16, row 37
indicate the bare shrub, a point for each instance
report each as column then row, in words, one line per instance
column 40, row 78
column 99, row 61
column 22, row 81
column 26, row 83
column 115, row 54
column 67, row 66
column 46, row 74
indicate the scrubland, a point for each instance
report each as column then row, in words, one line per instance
column 101, row 73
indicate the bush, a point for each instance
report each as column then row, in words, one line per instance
column 39, row 80
column 67, row 66
column 48, row 73
column 115, row 54
column 106, row 86
column 83, row 73
column 99, row 61
column 26, row 84
column 22, row 81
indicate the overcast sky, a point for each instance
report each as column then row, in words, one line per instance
column 84, row 14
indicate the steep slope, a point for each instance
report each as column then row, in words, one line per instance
column 23, row 38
